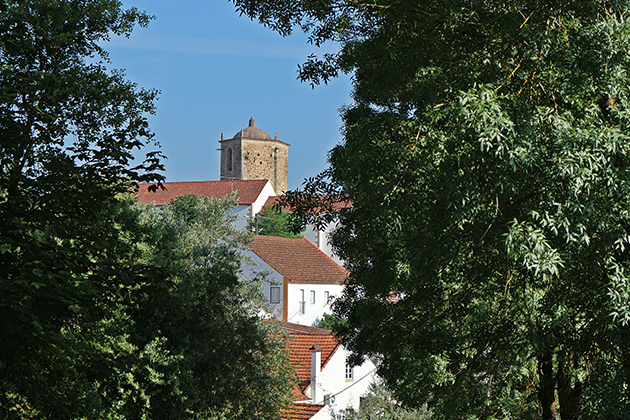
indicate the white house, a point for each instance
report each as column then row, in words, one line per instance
column 303, row 280
column 325, row 380
column 319, row 237
column 252, row 195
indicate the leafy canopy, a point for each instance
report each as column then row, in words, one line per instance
column 68, row 127
column 222, row 359
column 486, row 156
column 271, row 221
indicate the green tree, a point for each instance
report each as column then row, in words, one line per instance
column 219, row 357
column 332, row 322
column 67, row 259
column 378, row 404
column 486, row 155
column 273, row 221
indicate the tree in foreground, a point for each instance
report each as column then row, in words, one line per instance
column 487, row 157
column 378, row 404
column 218, row 359
column 68, row 128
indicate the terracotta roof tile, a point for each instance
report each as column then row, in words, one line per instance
column 248, row 191
column 301, row 339
column 298, row 260
column 336, row 205
column 301, row 411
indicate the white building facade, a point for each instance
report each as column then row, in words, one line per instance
column 302, row 281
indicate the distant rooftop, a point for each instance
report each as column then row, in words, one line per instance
column 248, row 191
column 327, row 202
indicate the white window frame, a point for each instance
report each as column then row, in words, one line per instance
column 302, row 303
column 312, row 297
column 349, row 372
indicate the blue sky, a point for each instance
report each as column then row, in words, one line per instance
column 215, row 70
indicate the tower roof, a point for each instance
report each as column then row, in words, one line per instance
column 251, row 132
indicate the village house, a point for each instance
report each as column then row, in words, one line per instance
column 302, row 280
column 325, row 380
column 252, row 195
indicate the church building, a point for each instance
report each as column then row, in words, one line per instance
column 253, row 154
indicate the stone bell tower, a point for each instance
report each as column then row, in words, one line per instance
column 253, row 154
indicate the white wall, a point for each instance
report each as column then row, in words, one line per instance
column 323, row 414
column 266, row 192
column 313, row 312
column 332, row 380
column 321, row 240
column 256, row 265
column 242, row 213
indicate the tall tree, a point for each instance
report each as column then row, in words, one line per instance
column 486, row 155
column 67, row 130
column 219, row 357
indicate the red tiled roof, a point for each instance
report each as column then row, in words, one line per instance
column 336, row 205
column 303, row 329
column 301, row 411
column 301, row 339
column 298, row 260
column 248, row 191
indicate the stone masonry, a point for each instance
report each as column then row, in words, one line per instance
column 253, row 154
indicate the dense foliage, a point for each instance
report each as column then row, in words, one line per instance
column 67, row 130
column 332, row 322
column 486, row 155
column 108, row 312
column 271, row 221
column 378, row 404
column 216, row 358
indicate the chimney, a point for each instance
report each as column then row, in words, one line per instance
column 316, row 366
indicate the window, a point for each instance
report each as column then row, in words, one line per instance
column 274, row 294
column 349, row 372
column 229, row 158
column 327, row 296
column 312, row 297
column 302, row 302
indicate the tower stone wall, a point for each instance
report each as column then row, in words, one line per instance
column 253, row 154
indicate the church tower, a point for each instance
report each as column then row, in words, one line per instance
column 253, row 154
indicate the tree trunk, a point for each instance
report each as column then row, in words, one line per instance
column 568, row 397
column 546, row 386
